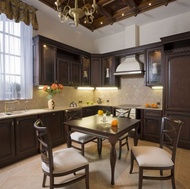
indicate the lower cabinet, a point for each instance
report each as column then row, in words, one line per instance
column 17, row 139
column 54, row 121
column 7, row 141
column 151, row 125
column 89, row 111
column 26, row 140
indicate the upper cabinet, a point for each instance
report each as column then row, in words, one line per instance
column 86, row 75
column 56, row 62
column 68, row 69
column 44, row 63
column 102, row 69
column 108, row 68
column 154, row 66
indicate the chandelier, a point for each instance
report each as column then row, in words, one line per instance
column 76, row 13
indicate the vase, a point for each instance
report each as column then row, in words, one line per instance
column 51, row 104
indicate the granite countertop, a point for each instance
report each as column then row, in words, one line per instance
column 20, row 113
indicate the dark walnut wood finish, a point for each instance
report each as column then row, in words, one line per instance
column 94, row 126
column 109, row 11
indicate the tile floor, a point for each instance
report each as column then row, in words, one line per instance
column 27, row 174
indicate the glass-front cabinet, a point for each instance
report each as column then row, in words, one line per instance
column 85, row 71
column 154, row 67
column 108, row 68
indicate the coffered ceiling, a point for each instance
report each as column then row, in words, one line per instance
column 112, row 11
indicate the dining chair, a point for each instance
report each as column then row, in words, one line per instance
column 78, row 137
column 159, row 158
column 123, row 140
column 64, row 162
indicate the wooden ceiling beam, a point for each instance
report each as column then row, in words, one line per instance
column 133, row 7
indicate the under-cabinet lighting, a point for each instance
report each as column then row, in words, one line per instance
column 40, row 87
column 106, row 88
column 85, row 88
column 157, row 87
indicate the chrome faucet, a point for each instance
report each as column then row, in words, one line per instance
column 10, row 102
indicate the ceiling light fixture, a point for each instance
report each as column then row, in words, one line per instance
column 64, row 12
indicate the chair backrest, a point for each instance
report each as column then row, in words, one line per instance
column 123, row 112
column 170, row 131
column 43, row 136
column 73, row 114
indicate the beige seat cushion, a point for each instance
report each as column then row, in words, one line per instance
column 65, row 160
column 149, row 156
column 81, row 137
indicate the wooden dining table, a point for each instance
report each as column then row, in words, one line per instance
column 97, row 126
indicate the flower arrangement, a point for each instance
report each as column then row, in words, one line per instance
column 53, row 89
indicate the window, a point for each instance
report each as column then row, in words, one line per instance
column 16, row 69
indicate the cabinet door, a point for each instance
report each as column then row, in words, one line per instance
column 54, row 121
column 96, row 72
column 63, row 74
column 86, row 71
column 152, row 128
column 154, row 67
column 7, row 141
column 75, row 74
column 48, row 63
column 177, row 82
column 26, row 140
column 108, row 68
column 89, row 111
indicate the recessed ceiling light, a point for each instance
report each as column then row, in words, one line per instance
column 101, row 22
column 150, row 4
column 122, row 14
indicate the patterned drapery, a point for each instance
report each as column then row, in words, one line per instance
column 19, row 11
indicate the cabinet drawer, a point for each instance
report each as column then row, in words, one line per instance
column 156, row 113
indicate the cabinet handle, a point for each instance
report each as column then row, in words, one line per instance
column 53, row 114
column 17, row 122
column 12, row 123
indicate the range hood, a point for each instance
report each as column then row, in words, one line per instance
column 130, row 65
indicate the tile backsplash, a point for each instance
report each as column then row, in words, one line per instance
column 132, row 91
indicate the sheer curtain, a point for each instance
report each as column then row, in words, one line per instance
column 16, row 68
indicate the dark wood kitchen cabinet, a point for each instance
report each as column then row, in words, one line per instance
column 68, row 71
column 26, row 140
column 102, row 69
column 177, row 82
column 44, row 63
column 108, row 68
column 151, row 125
column 86, row 67
column 89, row 111
column 54, row 121
column 55, row 62
column 154, row 61
column 7, row 141
column 96, row 71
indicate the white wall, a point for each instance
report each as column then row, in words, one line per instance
column 64, row 34
column 153, row 32
column 147, row 34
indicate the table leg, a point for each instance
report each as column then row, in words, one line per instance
column 112, row 159
column 99, row 145
column 68, row 130
column 136, row 135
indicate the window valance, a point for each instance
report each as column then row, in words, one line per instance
column 19, row 11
